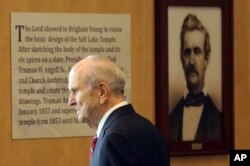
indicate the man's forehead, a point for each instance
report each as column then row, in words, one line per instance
column 78, row 67
column 194, row 37
column 72, row 73
column 195, row 32
column 72, row 77
column 78, row 70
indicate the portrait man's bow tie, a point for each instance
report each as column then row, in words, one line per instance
column 194, row 99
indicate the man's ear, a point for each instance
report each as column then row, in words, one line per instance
column 104, row 92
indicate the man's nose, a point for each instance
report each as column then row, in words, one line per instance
column 192, row 58
column 71, row 100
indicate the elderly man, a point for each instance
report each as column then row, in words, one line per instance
column 125, row 138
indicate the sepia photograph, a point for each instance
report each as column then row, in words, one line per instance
column 193, row 77
column 195, row 74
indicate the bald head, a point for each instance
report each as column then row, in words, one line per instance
column 98, row 68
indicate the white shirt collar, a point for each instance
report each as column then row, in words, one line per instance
column 106, row 115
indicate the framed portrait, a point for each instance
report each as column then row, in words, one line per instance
column 194, row 75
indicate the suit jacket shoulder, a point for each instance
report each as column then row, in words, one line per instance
column 129, row 139
column 210, row 127
column 175, row 121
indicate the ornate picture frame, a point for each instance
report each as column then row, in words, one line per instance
column 212, row 132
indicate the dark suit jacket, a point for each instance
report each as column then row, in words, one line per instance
column 209, row 126
column 128, row 139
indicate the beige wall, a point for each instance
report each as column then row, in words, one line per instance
column 74, row 151
column 242, row 73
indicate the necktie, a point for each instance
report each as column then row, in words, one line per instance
column 194, row 99
column 92, row 148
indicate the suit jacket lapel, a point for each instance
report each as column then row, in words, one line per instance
column 124, row 110
column 203, row 125
column 176, row 121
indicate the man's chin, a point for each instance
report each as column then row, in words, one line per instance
column 192, row 86
column 192, row 79
column 192, row 83
column 82, row 119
